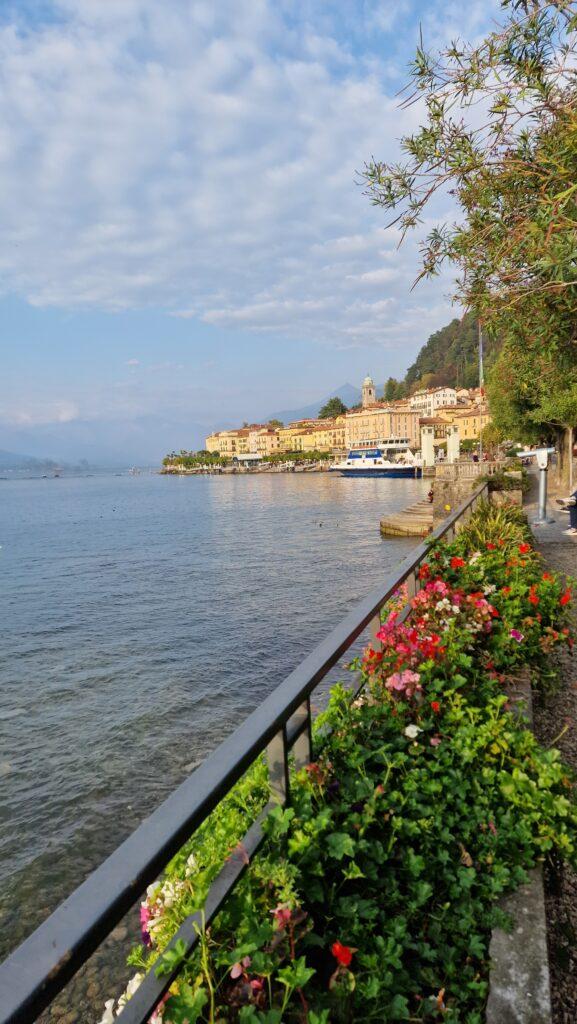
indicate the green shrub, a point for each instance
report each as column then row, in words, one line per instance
column 375, row 893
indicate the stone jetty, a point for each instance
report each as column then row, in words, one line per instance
column 414, row 521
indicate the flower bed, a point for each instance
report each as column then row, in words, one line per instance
column 375, row 894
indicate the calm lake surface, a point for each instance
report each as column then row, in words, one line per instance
column 142, row 619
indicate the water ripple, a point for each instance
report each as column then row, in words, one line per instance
column 143, row 619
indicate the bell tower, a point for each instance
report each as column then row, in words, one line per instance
column 369, row 392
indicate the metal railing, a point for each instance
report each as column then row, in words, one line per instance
column 34, row 974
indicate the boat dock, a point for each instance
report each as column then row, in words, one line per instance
column 414, row 521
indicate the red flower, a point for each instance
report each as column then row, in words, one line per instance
column 565, row 598
column 424, row 571
column 435, row 706
column 282, row 916
column 524, row 549
column 343, row 954
column 533, row 598
column 490, row 547
column 547, row 576
column 506, row 590
column 457, row 563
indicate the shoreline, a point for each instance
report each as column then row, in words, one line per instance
column 316, row 467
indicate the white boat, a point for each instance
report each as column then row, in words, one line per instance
column 390, row 460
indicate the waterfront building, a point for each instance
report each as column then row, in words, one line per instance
column 471, row 422
column 379, row 423
column 326, row 435
column 374, row 423
column 439, row 424
column 428, row 400
column 229, row 442
column 264, row 441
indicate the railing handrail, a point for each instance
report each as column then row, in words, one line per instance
column 32, row 976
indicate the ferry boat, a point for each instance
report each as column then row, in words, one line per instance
column 377, row 462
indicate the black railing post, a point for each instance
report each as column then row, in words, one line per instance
column 278, row 769
column 303, row 745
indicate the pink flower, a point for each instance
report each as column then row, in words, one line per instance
column 516, row 635
column 145, row 915
column 282, row 916
column 239, row 968
column 434, row 741
column 406, row 682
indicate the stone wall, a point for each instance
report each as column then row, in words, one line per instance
column 448, row 495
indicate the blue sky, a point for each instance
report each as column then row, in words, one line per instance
column 183, row 241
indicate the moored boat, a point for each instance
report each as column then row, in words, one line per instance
column 369, row 462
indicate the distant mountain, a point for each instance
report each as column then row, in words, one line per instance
column 111, row 443
column 347, row 394
column 10, row 460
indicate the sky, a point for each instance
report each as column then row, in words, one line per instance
column 185, row 243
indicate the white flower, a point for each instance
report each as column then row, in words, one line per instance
column 108, row 1017
column 412, row 731
column 455, row 608
column 130, row 990
column 490, row 590
column 475, row 557
column 191, row 864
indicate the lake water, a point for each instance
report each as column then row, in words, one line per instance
column 142, row 619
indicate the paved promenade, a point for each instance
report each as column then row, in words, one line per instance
column 559, row 713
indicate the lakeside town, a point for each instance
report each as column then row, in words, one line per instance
column 288, row 750
column 376, row 421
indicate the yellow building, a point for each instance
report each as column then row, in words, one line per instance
column 263, row 440
column 439, row 424
column 471, row 422
column 325, row 435
column 380, row 423
column 290, row 437
column 229, row 442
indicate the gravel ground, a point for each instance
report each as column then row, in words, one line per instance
column 551, row 716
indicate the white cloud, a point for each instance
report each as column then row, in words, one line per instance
column 201, row 157
column 132, row 362
column 39, row 413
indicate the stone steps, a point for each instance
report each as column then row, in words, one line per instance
column 414, row 521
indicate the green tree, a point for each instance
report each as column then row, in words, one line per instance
column 334, row 407
column 492, row 436
column 275, row 423
column 513, row 172
column 394, row 389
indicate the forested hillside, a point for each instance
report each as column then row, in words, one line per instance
column 451, row 356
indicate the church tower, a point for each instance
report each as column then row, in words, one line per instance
column 369, row 392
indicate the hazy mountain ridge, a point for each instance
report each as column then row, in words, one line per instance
column 346, row 392
column 13, row 460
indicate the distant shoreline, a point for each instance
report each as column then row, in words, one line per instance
column 316, row 467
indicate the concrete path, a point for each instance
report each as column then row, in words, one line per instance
column 552, row 715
